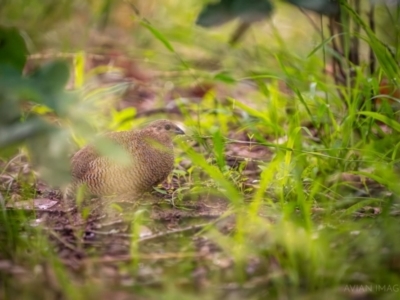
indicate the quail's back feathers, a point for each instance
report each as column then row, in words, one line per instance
column 151, row 159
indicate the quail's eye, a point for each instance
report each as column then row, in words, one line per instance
column 167, row 127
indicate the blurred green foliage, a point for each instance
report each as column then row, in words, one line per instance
column 20, row 125
column 35, row 17
column 215, row 14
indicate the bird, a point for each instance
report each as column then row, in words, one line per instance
column 151, row 160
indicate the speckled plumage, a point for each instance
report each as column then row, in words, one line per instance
column 151, row 160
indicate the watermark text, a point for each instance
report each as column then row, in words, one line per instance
column 372, row 288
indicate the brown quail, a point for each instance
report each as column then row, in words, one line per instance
column 151, row 159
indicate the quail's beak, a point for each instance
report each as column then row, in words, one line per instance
column 178, row 131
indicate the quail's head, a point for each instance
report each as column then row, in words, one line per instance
column 163, row 129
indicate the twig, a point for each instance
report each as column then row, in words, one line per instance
column 233, row 141
column 117, row 222
column 338, row 72
column 63, row 55
column 85, row 223
column 354, row 54
column 151, row 256
column 315, row 26
column 34, row 210
column 371, row 52
column 175, row 231
column 239, row 33
column 137, row 12
column 153, row 236
column 64, row 242
column 10, row 162
column 150, row 112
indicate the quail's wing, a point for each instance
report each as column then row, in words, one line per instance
column 87, row 162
